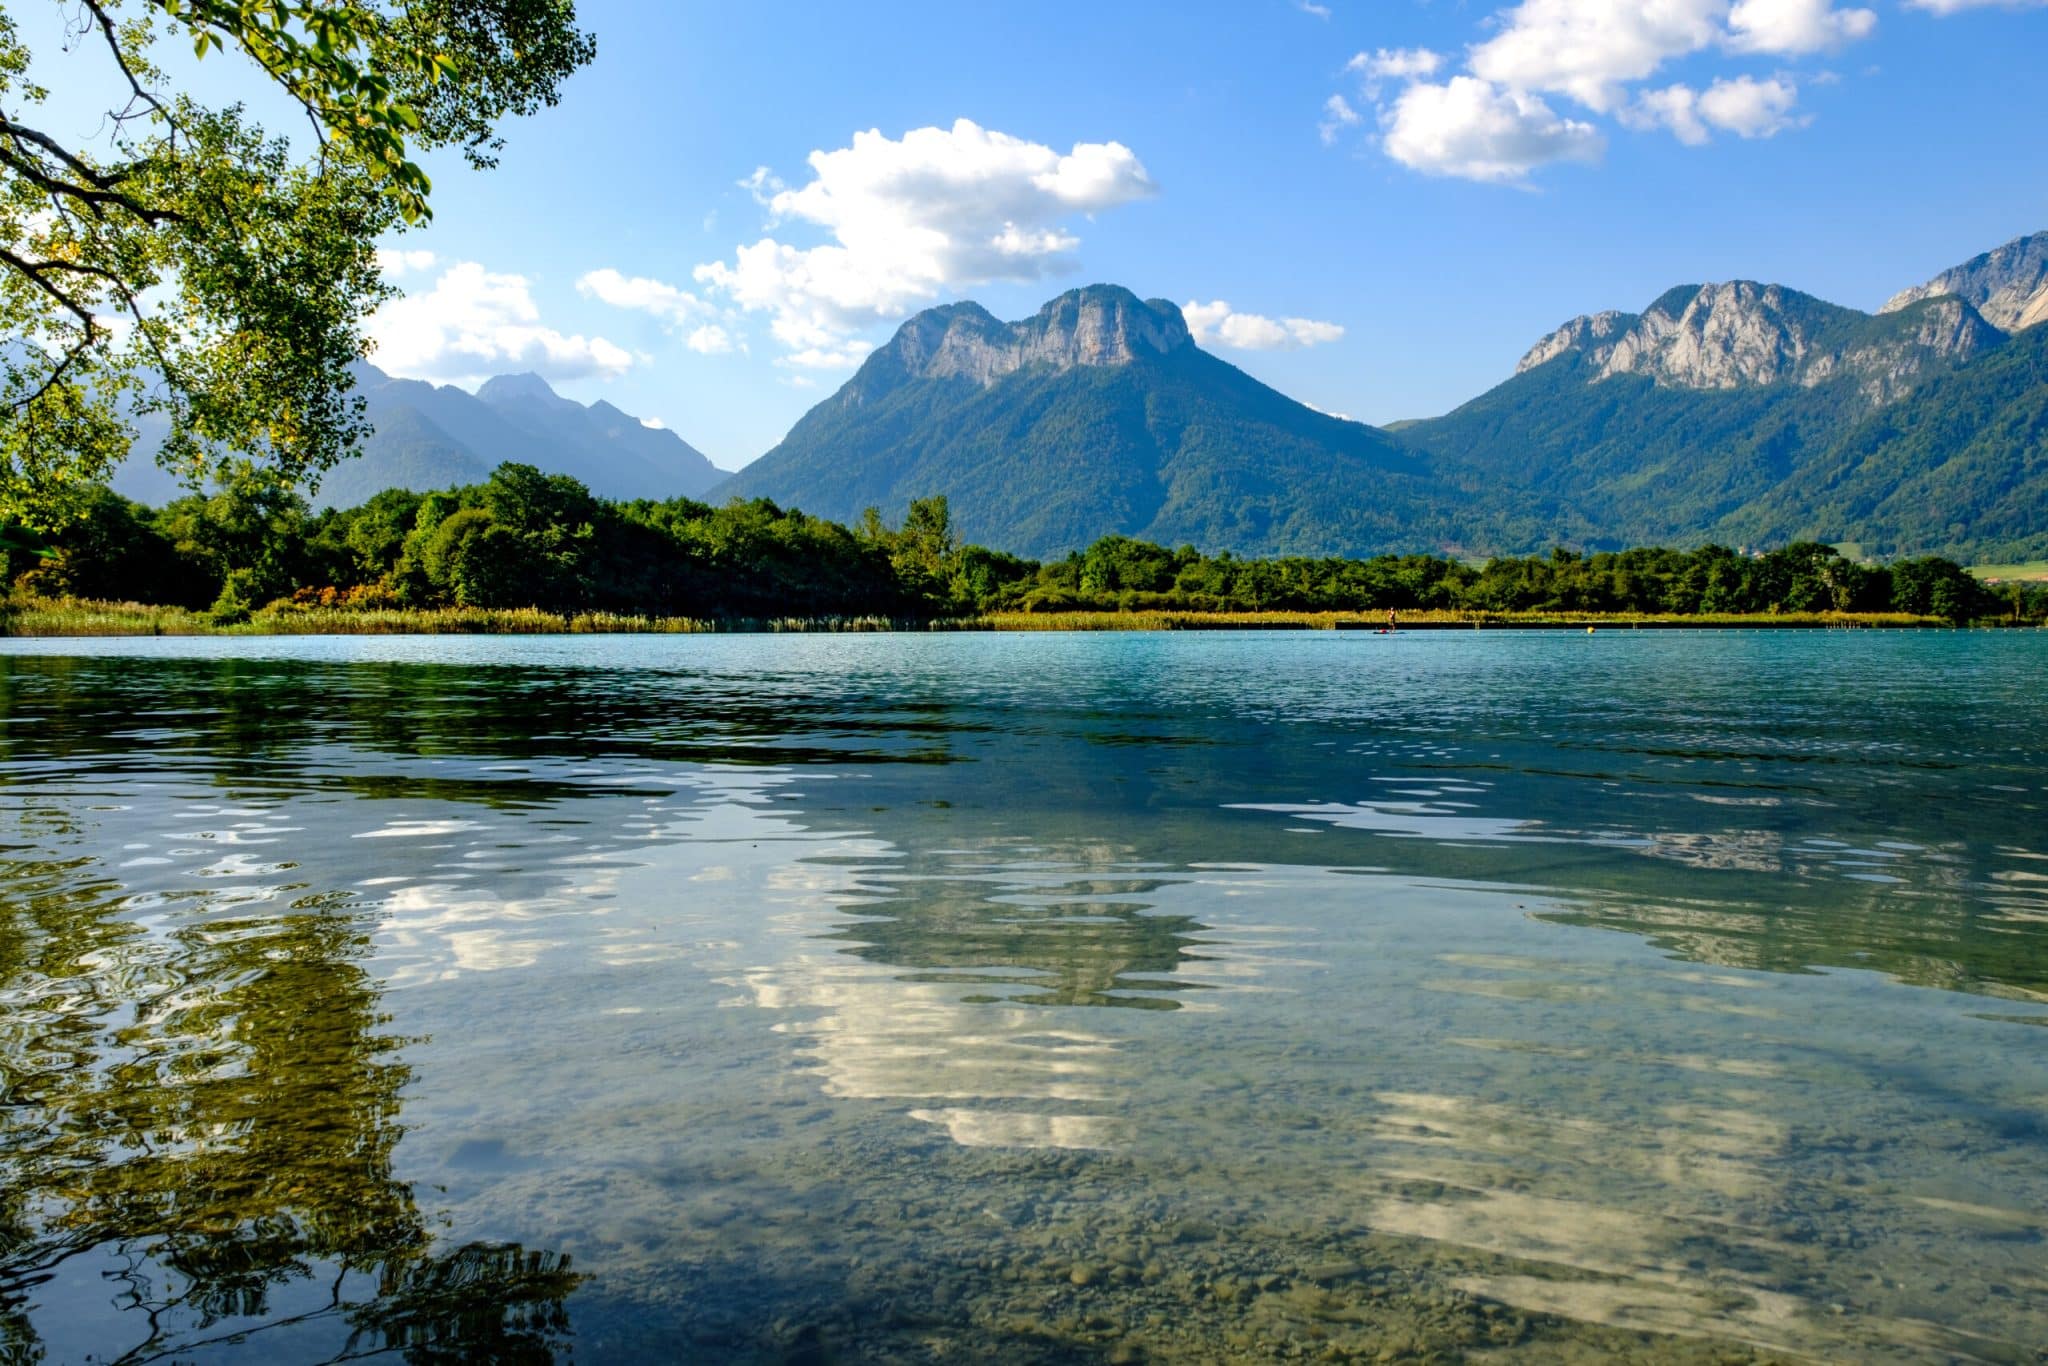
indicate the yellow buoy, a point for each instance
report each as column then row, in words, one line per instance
column 1589, row 630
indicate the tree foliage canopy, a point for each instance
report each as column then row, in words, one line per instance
column 185, row 262
column 524, row 538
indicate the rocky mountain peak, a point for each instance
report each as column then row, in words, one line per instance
column 1101, row 325
column 1744, row 334
column 1718, row 336
column 2007, row 285
column 1589, row 332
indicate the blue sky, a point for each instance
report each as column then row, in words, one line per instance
column 1489, row 173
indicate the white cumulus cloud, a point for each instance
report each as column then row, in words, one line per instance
column 1217, row 322
column 1591, row 49
column 1469, row 128
column 1745, row 106
column 1791, row 27
column 642, row 294
column 1749, row 107
column 1676, row 107
column 1491, row 121
column 912, row 218
column 474, row 324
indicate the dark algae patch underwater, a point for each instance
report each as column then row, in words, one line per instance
column 1024, row 997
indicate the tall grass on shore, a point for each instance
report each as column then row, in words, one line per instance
column 1420, row 620
column 48, row 617
column 58, row 617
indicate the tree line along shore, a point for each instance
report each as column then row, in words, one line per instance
column 531, row 552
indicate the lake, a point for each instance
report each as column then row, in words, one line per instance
column 1025, row 997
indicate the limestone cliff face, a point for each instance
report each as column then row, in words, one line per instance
column 1943, row 331
column 2036, row 311
column 1722, row 337
column 1743, row 334
column 1592, row 333
column 1101, row 325
column 2008, row 285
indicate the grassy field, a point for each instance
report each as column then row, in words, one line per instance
column 2035, row 571
column 43, row 617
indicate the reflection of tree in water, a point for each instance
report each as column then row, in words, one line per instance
column 207, row 1107
column 234, row 718
column 1965, row 931
column 1068, row 942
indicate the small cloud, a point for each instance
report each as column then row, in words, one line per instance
column 1750, row 108
column 1337, row 116
column 1394, row 64
column 1310, row 7
column 1473, row 130
column 392, row 261
column 655, row 423
column 763, row 185
column 1745, row 106
column 710, row 340
column 641, row 294
column 1223, row 325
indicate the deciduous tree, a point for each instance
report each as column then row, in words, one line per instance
column 185, row 262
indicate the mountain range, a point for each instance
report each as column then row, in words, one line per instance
column 428, row 436
column 1742, row 412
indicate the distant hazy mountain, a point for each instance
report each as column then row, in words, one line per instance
column 430, row 436
column 1099, row 415
column 2009, row 285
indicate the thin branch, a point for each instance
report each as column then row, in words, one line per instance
column 113, row 37
column 163, row 362
column 34, row 270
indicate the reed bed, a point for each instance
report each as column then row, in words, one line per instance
column 56, row 617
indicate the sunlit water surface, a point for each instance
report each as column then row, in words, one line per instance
column 1035, row 998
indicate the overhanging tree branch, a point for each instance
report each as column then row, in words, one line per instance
column 256, row 257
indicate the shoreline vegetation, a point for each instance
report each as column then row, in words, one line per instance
column 528, row 553
column 42, row 618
